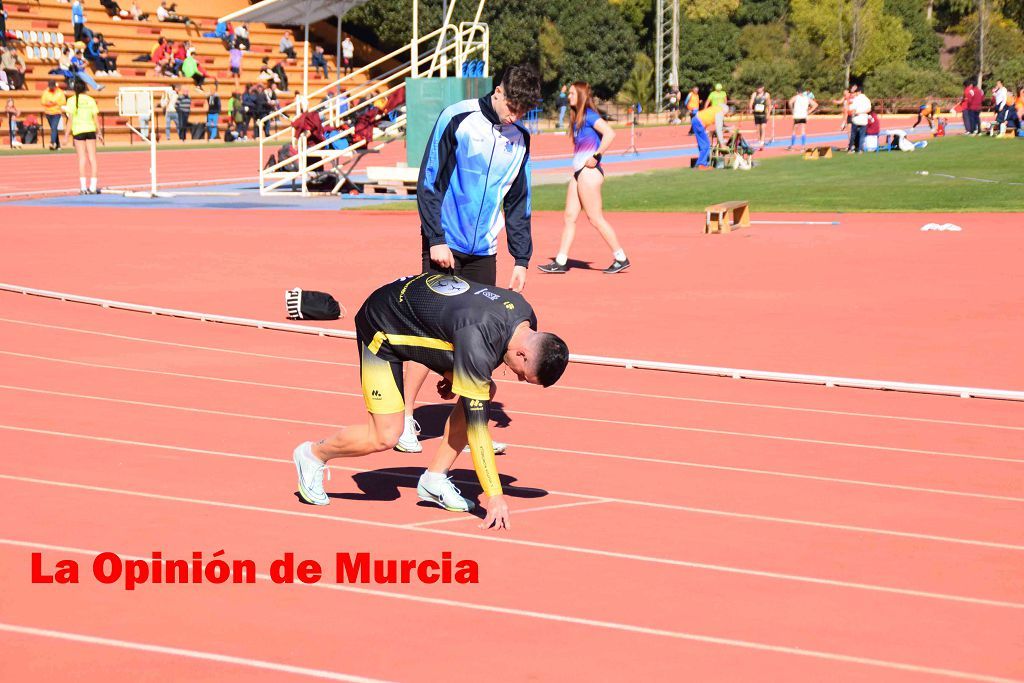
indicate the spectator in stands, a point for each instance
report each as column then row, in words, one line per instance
column 4, row 85
column 82, row 34
column 168, row 102
column 170, row 14
column 282, row 76
column 14, row 66
column 93, row 52
column 163, row 58
column 213, row 109
column 249, row 107
column 266, row 103
column 138, row 14
column 79, row 72
column 183, row 106
column 151, row 57
column 235, row 60
column 52, row 101
column 287, row 45
column 319, row 61
column 179, row 55
column 12, row 113
column 83, row 125
column 3, row 24
column 860, row 107
column 191, row 68
column 268, row 76
column 242, row 37
column 114, row 9
column 348, row 52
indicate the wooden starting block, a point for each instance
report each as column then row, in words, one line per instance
column 386, row 180
column 818, row 153
column 718, row 216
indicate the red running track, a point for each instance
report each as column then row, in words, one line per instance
column 665, row 527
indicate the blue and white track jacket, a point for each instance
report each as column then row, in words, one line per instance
column 474, row 180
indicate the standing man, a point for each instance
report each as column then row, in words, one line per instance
column 760, row 106
column 53, row 100
column 348, row 51
column 975, row 106
column 562, row 104
column 860, row 108
column 475, row 180
column 717, row 98
column 802, row 106
column 965, row 106
column 213, row 109
column 692, row 102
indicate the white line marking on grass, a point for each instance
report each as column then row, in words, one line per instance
column 625, row 423
column 609, row 625
column 182, row 652
column 634, row 557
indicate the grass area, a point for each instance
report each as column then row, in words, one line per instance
column 879, row 182
column 137, row 147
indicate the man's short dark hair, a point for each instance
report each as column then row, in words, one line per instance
column 553, row 357
column 521, row 85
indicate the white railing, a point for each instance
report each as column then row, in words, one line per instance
column 469, row 41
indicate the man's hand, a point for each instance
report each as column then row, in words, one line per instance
column 497, row 514
column 518, row 281
column 444, row 390
column 442, row 256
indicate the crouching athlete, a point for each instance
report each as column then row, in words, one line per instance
column 461, row 330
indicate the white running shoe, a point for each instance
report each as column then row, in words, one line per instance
column 408, row 443
column 445, row 494
column 499, row 448
column 311, row 474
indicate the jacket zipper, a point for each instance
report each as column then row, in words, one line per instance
column 487, row 178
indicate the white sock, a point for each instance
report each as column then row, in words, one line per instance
column 619, row 255
column 92, row 184
column 82, row 181
column 562, row 259
column 435, row 477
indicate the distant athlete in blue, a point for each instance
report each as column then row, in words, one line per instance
column 474, row 181
column 591, row 136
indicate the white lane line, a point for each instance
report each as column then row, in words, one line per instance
column 559, row 387
column 623, row 501
column 469, row 518
column 633, row 458
column 182, row 652
column 610, row 625
column 573, row 418
column 492, row 538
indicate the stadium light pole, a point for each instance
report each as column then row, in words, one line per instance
column 981, row 40
column 415, row 48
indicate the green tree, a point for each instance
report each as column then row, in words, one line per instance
column 855, row 35
column 1003, row 42
column 706, row 10
column 925, row 43
column 708, row 53
column 639, row 14
column 602, row 57
column 552, row 53
column 903, row 80
column 639, row 86
column 1010, row 72
column 780, row 76
column 763, row 41
column 761, row 11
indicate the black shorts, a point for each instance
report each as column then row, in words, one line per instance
column 797, row 122
column 235, row 71
column 760, row 119
column 86, row 136
column 576, row 174
column 482, row 269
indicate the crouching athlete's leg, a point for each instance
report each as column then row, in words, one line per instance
column 382, row 393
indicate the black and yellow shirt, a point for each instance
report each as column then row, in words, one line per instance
column 446, row 323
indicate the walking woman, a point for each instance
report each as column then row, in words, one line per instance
column 591, row 137
column 84, row 117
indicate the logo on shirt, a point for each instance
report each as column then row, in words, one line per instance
column 510, row 306
column 488, row 293
column 475, row 404
column 447, row 285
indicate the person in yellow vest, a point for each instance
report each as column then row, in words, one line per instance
column 53, row 101
column 83, row 126
column 692, row 102
column 709, row 121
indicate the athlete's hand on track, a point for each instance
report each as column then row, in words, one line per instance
column 497, row 514
column 518, row 281
column 444, row 390
column 442, row 256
